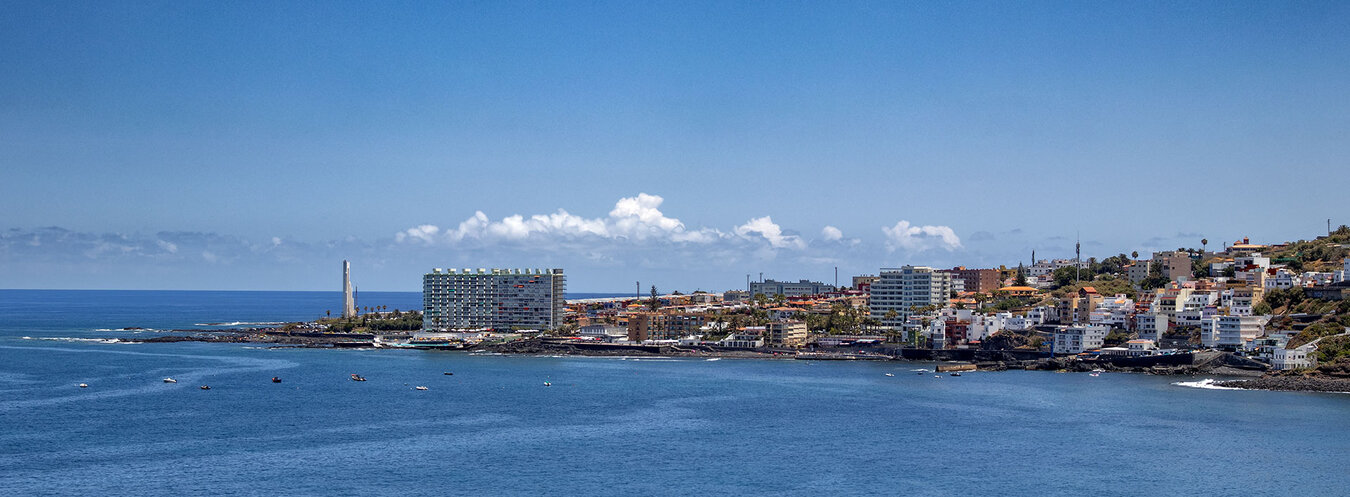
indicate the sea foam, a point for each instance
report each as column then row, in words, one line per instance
column 1207, row 383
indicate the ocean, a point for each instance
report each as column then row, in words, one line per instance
column 605, row 426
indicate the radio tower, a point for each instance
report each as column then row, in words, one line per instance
column 1077, row 256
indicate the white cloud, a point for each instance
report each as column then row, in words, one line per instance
column 764, row 227
column 831, row 233
column 633, row 218
column 919, row 238
column 423, row 233
column 169, row 247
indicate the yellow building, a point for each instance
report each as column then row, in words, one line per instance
column 786, row 333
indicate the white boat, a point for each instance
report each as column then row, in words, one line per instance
column 890, row 374
column 170, row 380
column 547, row 384
column 419, row 387
column 84, row 385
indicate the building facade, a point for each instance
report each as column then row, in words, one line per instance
column 907, row 288
column 1173, row 264
column 788, row 289
column 785, row 333
column 1077, row 339
column 1235, row 331
column 976, row 280
column 643, row 326
column 500, row 299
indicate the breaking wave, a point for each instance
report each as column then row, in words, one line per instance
column 242, row 323
column 73, row 339
column 1207, row 383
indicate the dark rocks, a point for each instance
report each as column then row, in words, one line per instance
column 1292, row 383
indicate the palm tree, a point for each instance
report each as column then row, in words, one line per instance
column 1203, row 243
column 1134, row 255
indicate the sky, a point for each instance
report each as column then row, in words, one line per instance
column 255, row 145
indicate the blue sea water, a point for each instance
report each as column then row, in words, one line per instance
column 606, row 426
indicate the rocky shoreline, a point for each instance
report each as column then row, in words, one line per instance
column 1292, row 383
column 1205, row 363
column 241, row 336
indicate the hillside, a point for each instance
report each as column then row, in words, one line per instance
column 1325, row 253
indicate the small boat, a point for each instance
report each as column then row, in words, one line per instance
column 205, row 387
column 937, row 376
column 890, row 374
column 447, row 373
column 1094, row 374
column 419, row 387
column 170, row 380
column 84, row 385
column 357, row 377
column 276, row 379
column 956, row 374
column 547, row 384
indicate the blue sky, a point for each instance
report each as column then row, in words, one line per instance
column 254, row 145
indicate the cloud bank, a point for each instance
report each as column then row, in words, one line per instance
column 637, row 238
column 636, row 219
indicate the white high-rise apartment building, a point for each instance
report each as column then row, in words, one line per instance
column 501, row 299
column 907, row 288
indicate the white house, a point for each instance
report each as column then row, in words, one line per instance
column 1188, row 318
column 1141, row 347
column 1043, row 314
column 937, row 333
column 1209, row 332
column 743, row 340
column 1282, row 279
column 1114, row 311
column 1076, row 339
column 1296, row 358
column 606, row 332
column 1150, row 325
column 1235, row 331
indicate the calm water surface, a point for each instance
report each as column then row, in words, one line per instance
column 606, row 426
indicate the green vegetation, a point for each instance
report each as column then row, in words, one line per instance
column 1262, row 308
column 1117, row 337
column 843, row 319
column 1155, row 278
column 1295, row 301
column 393, row 321
column 1322, row 254
column 1200, row 268
column 1106, row 284
column 1332, row 350
column 1327, row 326
column 1110, row 265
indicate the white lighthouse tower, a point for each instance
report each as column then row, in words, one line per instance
column 348, row 300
